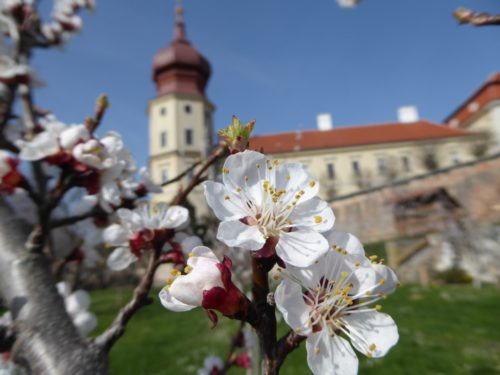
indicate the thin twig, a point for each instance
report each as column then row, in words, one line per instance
column 235, row 340
column 56, row 223
column 286, row 345
column 107, row 339
column 181, row 175
column 468, row 16
column 197, row 178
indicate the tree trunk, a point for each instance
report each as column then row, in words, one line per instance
column 46, row 340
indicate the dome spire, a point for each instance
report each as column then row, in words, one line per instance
column 180, row 68
column 180, row 28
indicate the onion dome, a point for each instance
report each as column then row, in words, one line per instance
column 180, row 68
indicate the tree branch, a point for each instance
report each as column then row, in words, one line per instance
column 263, row 317
column 286, row 345
column 197, row 178
column 107, row 339
column 56, row 223
column 468, row 16
column 181, row 175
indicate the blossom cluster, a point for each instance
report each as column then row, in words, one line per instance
column 103, row 166
column 65, row 19
column 329, row 289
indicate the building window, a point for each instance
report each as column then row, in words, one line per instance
column 163, row 111
column 356, row 168
column 163, row 139
column 330, row 171
column 455, row 157
column 187, row 108
column 382, row 167
column 164, row 175
column 189, row 136
column 406, row 163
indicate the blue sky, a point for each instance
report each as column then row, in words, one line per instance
column 281, row 62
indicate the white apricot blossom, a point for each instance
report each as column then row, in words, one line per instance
column 77, row 305
column 262, row 199
column 332, row 300
column 185, row 292
column 55, row 137
column 212, row 365
column 206, row 282
column 142, row 229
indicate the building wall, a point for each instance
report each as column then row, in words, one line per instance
column 345, row 181
column 487, row 121
column 476, row 186
column 170, row 117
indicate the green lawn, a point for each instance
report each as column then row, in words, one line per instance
column 444, row 330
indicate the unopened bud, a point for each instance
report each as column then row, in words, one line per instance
column 237, row 136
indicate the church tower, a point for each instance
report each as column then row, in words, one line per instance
column 180, row 116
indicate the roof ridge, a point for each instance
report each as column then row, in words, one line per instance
column 348, row 127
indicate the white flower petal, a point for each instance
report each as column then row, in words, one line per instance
column 301, row 248
column 291, row 304
column 148, row 183
column 330, row 265
column 241, row 170
column 63, row 288
column 170, row 303
column 72, row 135
column 111, row 193
column 176, row 217
column 236, row 234
column 115, row 235
column 313, row 213
column 201, row 253
column 224, row 209
column 294, row 177
column 189, row 288
column 41, row 146
column 85, row 322
column 372, row 327
column 330, row 355
column 346, row 241
column 78, row 301
column 377, row 278
column 120, row 259
column 386, row 278
column 189, row 243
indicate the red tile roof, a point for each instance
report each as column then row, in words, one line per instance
column 488, row 92
column 352, row 136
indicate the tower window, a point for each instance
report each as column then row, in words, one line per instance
column 163, row 139
column 189, row 136
column 356, row 168
column 382, row 168
column 163, row 111
column 330, row 171
column 406, row 163
column 164, row 175
column 187, row 108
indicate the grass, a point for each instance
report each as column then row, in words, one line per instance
column 443, row 330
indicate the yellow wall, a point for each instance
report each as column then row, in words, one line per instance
column 176, row 156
